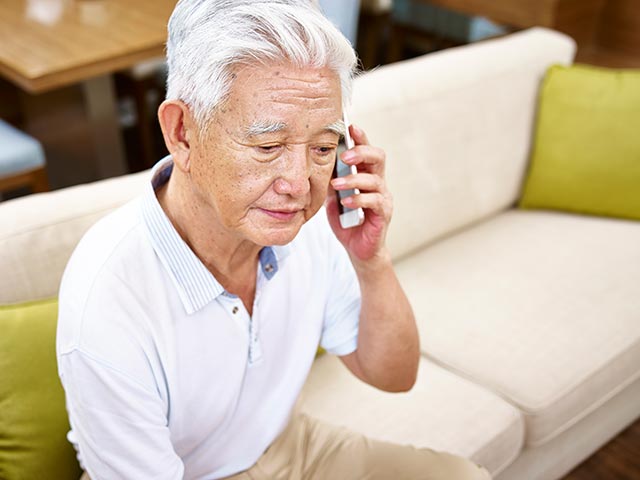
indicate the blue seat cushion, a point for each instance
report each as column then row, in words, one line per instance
column 19, row 152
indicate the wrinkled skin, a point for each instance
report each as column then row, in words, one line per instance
column 263, row 188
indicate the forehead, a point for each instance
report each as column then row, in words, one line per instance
column 268, row 91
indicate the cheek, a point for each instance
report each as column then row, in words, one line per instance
column 228, row 183
column 245, row 185
column 320, row 182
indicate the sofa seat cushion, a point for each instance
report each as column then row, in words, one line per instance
column 542, row 308
column 442, row 412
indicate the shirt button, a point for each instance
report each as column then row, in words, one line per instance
column 268, row 268
column 235, row 310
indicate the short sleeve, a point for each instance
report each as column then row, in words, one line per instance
column 119, row 425
column 117, row 413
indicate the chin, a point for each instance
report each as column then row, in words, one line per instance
column 266, row 230
column 278, row 236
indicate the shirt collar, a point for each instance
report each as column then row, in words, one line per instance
column 195, row 284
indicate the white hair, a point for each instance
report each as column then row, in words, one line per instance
column 208, row 39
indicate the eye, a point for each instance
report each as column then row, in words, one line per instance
column 325, row 150
column 268, row 149
column 323, row 154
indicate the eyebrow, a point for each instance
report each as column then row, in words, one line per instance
column 337, row 127
column 262, row 127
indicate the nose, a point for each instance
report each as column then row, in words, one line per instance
column 295, row 174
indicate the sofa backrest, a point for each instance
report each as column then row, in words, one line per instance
column 39, row 232
column 456, row 126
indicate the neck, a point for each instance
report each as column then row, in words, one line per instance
column 231, row 260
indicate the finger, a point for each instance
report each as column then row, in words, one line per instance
column 365, row 182
column 378, row 203
column 366, row 157
column 358, row 135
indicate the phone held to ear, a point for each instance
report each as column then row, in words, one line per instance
column 349, row 217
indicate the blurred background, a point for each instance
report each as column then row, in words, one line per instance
column 80, row 80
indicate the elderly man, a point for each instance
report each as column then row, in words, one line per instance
column 189, row 318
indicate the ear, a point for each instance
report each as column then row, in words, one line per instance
column 178, row 131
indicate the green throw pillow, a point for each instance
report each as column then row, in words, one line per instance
column 33, row 418
column 586, row 154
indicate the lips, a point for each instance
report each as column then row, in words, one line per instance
column 287, row 214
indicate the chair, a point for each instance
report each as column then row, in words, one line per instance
column 373, row 32
column 145, row 84
column 22, row 161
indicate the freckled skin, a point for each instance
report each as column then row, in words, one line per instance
column 239, row 178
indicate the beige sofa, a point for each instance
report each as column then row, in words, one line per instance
column 529, row 320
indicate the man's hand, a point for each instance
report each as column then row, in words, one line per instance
column 388, row 347
column 366, row 241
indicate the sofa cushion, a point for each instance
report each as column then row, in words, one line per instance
column 542, row 308
column 33, row 420
column 456, row 128
column 39, row 232
column 442, row 412
column 586, row 156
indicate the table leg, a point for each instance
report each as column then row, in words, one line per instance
column 101, row 104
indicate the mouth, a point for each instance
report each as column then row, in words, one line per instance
column 281, row 214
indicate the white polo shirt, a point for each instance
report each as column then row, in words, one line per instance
column 166, row 375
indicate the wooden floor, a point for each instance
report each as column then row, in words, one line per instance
column 617, row 460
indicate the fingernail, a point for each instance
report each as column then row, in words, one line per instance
column 348, row 156
column 338, row 182
column 347, row 201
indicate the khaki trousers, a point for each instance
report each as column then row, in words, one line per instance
column 314, row 450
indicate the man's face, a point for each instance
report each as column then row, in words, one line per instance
column 265, row 162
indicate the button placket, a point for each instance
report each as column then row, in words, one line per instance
column 255, row 347
column 237, row 311
column 255, row 350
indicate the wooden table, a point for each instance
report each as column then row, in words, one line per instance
column 48, row 44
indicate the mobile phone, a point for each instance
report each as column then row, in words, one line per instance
column 349, row 217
